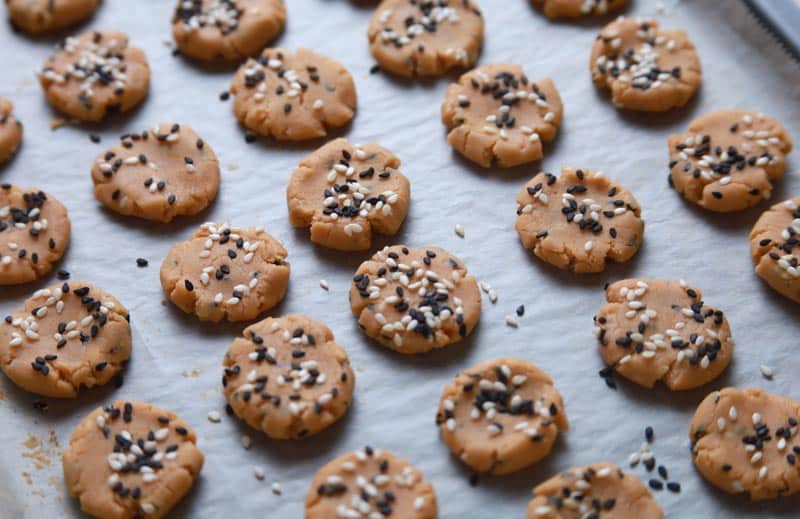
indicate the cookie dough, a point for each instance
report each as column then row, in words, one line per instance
column 66, row 337
column 653, row 330
column 293, row 96
column 131, row 459
column 745, row 441
column 227, row 30
column 775, row 248
column 225, row 272
column 370, row 483
column 574, row 8
column 10, row 131
column 579, row 221
column 424, row 38
column 501, row 416
column 495, row 115
column 345, row 192
column 40, row 16
column 728, row 159
column 645, row 68
column 415, row 300
column 34, row 234
column 95, row 74
column 158, row 174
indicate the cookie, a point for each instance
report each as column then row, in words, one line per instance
column 596, row 490
column 227, row 30
column 41, row 16
column 370, row 483
column 579, row 221
column 775, row 248
column 293, row 96
column 645, row 67
column 34, row 234
column 653, row 330
column 158, row 174
column 288, row 377
column 345, row 193
column 575, row 8
column 10, row 131
column 415, row 300
column 225, row 272
column 95, row 74
column 728, row 159
column 425, row 38
column 501, row 416
column 745, row 441
column 65, row 338
column 131, row 459
column 496, row 116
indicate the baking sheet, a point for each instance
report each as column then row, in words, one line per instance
column 176, row 359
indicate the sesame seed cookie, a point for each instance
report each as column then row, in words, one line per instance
column 575, row 8
column 40, row 16
column 293, row 96
column 728, row 159
column 66, row 337
column 158, row 174
column 501, row 416
column 95, row 74
column 496, row 116
column 225, row 272
column 288, row 377
column 775, row 248
column 579, row 221
column 424, row 38
column 10, row 131
column 345, row 193
column 413, row 300
column 131, row 459
column 370, row 483
column 645, row 67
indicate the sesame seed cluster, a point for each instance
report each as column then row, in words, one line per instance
column 222, row 14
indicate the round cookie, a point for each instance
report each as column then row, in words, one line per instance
column 40, row 16
column 501, row 416
column 131, row 459
column 95, row 74
column 745, row 441
column 415, row 300
column 645, row 68
column 158, row 174
column 728, row 159
column 370, row 483
column 288, row 377
column 651, row 330
column 10, row 131
column 227, row 30
column 579, row 221
column 775, row 248
column 34, row 234
column 413, row 38
column 66, row 337
column 496, row 116
column 345, row 193
column 556, row 9
column 225, row 272
column 293, row 96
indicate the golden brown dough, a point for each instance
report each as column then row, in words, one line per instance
column 774, row 247
column 41, row 16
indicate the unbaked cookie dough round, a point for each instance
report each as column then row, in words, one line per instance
column 370, row 483
column 501, row 416
column 66, row 337
column 131, row 459
column 10, row 131
column 413, row 300
column 645, row 68
column 775, row 248
column 579, row 221
column 225, row 272
column 293, row 96
column 495, row 115
column 576, row 8
column 34, row 234
column 651, row 330
column 288, row 377
column 745, row 441
column 345, row 193
column 728, row 159
column 158, row 174
column 95, row 74
column 40, row 16
column 414, row 38
column 227, row 30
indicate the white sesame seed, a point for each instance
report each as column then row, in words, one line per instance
column 459, row 230
column 767, row 372
column 214, row 417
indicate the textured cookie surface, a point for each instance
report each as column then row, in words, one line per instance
column 10, row 131
column 575, row 8
column 775, row 248
column 40, row 16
